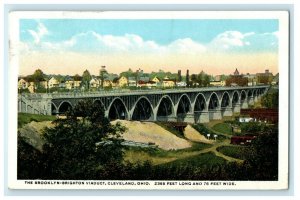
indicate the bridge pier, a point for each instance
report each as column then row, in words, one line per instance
column 244, row 105
column 251, row 101
column 236, row 108
column 170, row 118
column 189, row 118
column 255, row 99
column 201, row 117
column 215, row 114
column 227, row 112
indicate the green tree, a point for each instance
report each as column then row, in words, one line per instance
column 29, row 161
column 83, row 145
column 77, row 77
column 86, row 78
column 38, row 76
column 263, row 155
column 128, row 73
column 206, row 80
column 193, row 81
column 271, row 99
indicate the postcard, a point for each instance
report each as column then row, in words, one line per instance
column 151, row 100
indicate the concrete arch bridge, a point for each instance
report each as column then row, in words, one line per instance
column 193, row 105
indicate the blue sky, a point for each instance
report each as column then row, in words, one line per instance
column 219, row 43
column 162, row 31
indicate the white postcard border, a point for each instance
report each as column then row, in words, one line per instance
column 283, row 54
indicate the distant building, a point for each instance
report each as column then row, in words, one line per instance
column 217, row 78
column 22, row 83
column 264, row 78
column 217, row 83
column 245, row 119
column 151, row 84
column 44, row 83
column 262, row 114
column 236, row 79
column 107, row 83
column 122, row 81
column 77, row 81
column 115, row 82
column 31, row 87
column 94, row 83
column 69, row 82
column 156, row 80
column 62, row 84
column 131, row 81
column 53, row 82
column 236, row 72
column 179, row 77
column 275, row 80
column 252, row 79
column 167, row 82
column 181, row 84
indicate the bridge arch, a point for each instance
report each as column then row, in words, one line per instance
column 255, row 93
column 226, row 105
column 213, row 101
column 235, row 98
column 200, row 102
column 29, row 109
column 117, row 109
column 199, row 107
column 250, row 93
column 250, row 96
column 99, row 102
column 54, row 109
column 225, row 100
column 165, row 108
column 142, row 109
column 243, row 96
column 183, row 107
column 64, row 107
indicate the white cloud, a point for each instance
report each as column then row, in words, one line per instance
column 96, row 42
column 128, row 43
column 39, row 33
column 91, row 41
column 186, row 46
column 275, row 33
column 229, row 39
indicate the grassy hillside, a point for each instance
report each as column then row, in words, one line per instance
column 239, row 152
column 202, row 160
column 223, row 128
column 25, row 118
column 160, row 156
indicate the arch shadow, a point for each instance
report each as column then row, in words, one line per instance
column 142, row 110
column 117, row 109
column 165, row 109
column 184, row 106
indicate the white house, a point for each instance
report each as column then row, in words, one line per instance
column 53, row 82
column 181, row 84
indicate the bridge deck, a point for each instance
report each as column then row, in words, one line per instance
column 125, row 92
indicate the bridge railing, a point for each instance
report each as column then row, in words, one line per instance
column 132, row 92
